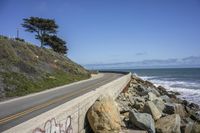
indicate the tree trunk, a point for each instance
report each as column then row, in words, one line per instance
column 42, row 43
column 40, row 36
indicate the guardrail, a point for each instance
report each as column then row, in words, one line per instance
column 70, row 117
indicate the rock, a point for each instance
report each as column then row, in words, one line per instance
column 141, row 88
column 195, row 116
column 147, row 83
column 154, row 91
column 139, row 99
column 165, row 98
column 186, row 125
column 134, row 76
column 126, row 95
column 189, row 110
column 153, row 110
column 185, row 102
column 143, row 93
column 159, row 104
column 196, row 128
column 177, row 93
column 179, row 109
column 143, row 121
column 138, row 80
column 132, row 101
column 188, row 119
column 139, row 102
column 162, row 90
column 171, row 95
column 150, row 87
column 168, row 124
column 194, row 106
column 151, row 96
column 121, row 96
column 131, row 92
column 169, row 108
column 103, row 116
column 123, row 106
column 131, row 84
column 177, row 100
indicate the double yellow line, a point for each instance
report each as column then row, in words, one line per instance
column 37, row 107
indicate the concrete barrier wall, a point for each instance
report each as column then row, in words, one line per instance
column 70, row 117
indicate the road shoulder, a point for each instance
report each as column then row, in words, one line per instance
column 93, row 77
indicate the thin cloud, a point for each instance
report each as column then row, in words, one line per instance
column 192, row 61
column 141, row 54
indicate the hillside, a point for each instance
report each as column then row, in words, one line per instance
column 25, row 68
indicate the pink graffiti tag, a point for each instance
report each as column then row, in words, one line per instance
column 51, row 126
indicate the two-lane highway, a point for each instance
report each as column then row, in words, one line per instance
column 16, row 111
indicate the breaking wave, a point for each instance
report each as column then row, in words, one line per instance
column 188, row 90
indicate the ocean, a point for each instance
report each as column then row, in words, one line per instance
column 186, row 81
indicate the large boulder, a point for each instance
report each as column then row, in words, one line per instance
column 194, row 106
column 143, row 121
column 171, row 108
column 150, row 87
column 123, row 106
column 187, row 128
column 169, row 124
column 154, row 91
column 196, row 128
column 104, row 117
column 195, row 115
column 144, row 90
column 152, row 96
column 186, row 125
column 179, row 109
column 151, row 108
column 159, row 104
column 165, row 98
column 162, row 90
column 171, row 94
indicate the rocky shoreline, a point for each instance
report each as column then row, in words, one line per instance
column 142, row 107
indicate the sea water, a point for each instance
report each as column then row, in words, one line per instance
column 186, row 81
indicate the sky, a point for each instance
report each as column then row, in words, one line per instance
column 113, row 31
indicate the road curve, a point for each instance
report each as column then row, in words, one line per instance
column 18, row 110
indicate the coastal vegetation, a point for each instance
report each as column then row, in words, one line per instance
column 26, row 68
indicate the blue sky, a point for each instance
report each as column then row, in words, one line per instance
column 110, row 31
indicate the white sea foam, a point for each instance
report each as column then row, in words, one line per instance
column 189, row 90
column 148, row 77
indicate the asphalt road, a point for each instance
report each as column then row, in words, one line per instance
column 16, row 111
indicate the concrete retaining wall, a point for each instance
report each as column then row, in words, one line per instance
column 70, row 117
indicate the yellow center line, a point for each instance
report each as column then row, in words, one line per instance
column 37, row 107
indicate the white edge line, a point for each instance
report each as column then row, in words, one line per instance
column 96, row 76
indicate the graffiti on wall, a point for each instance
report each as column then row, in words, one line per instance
column 51, row 126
